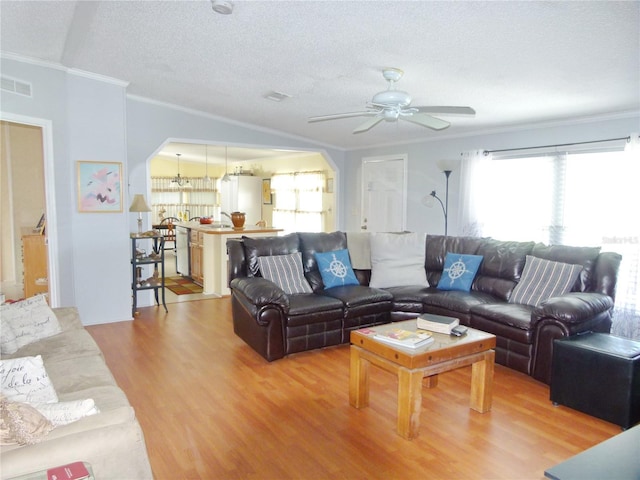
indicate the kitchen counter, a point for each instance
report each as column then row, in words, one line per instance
column 213, row 239
column 214, row 229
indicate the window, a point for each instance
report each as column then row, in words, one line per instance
column 582, row 198
column 298, row 201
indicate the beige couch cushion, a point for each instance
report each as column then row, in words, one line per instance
column 64, row 346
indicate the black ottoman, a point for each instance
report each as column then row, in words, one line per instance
column 598, row 374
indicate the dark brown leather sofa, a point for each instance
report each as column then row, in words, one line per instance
column 276, row 324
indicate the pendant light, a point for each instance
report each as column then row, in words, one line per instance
column 178, row 181
column 226, row 177
column 207, row 178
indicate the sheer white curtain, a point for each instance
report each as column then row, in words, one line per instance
column 586, row 196
column 472, row 168
column 627, row 243
column 298, row 201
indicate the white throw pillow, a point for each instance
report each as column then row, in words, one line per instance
column 25, row 322
column 25, row 380
column 62, row 413
column 397, row 259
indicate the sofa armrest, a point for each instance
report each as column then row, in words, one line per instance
column 261, row 292
column 563, row 316
column 68, row 317
column 572, row 308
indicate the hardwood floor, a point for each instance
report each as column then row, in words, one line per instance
column 210, row 407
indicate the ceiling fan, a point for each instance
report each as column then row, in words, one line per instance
column 392, row 105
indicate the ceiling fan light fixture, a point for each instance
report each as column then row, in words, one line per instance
column 223, row 7
column 392, row 105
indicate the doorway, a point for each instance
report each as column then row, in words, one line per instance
column 23, row 257
column 384, row 197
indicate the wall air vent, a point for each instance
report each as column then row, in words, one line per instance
column 15, row 86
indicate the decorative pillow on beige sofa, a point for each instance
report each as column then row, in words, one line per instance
column 21, row 423
column 25, row 322
column 62, row 413
column 25, row 379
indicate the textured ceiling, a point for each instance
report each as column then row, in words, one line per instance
column 517, row 63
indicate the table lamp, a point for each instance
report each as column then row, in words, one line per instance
column 139, row 205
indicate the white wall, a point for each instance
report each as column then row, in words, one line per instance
column 101, row 245
column 425, row 176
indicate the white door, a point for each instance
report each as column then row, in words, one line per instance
column 384, row 197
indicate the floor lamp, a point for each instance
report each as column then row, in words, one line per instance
column 445, row 205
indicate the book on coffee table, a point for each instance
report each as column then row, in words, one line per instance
column 437, row 323
column 404, row 338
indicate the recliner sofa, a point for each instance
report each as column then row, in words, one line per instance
column 276, row 324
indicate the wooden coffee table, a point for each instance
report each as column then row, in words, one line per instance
column 411, row 366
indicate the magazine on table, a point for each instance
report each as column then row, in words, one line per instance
column 404, row 338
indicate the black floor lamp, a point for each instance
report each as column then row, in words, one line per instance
column 445, row 205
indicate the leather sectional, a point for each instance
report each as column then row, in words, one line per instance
column 275, row 324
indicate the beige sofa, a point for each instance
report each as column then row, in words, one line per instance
column 111, row 441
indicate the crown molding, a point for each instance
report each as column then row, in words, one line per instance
column 58, row 66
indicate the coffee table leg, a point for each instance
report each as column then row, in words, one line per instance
column 358, row 379
column 482, row 383
column 409, row 402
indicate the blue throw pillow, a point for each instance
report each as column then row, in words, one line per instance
column 335, row 269
column 459, row 271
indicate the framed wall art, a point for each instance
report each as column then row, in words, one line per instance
column 266, row 191
column 99, row 187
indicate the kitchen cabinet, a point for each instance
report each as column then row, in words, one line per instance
column 195, row 250
column 213, row 262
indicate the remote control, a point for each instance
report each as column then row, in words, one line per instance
column 458, row 330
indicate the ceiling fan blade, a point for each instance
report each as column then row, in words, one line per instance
column 336, row 116
column 426, row 121
column 369, row 124
column 447, row 110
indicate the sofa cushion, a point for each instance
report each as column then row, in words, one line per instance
column 437, row 247
column 25, row 379
column 543, row 279
column 68, row 344
column 456, row 301
column 335, row 269
column 312, row 304
column 285, row 271
column 397, row 259
column 502, row 266
column 511, row 315
column 459, row 271
column 25, row 322
column 585, row 256
column 312, row 243
column 265, row 246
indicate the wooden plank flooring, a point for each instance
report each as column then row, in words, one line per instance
column 212, row 408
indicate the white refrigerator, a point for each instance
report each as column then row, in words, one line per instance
column 243, row 193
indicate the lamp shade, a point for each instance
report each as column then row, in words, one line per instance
column 139, row 204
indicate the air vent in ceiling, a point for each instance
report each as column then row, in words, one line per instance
column 15, row 86
column 276, row 96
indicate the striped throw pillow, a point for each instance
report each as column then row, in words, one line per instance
column 285, row 271
column 543, row 279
